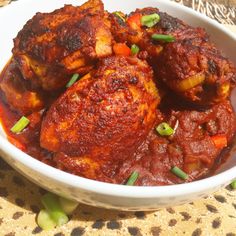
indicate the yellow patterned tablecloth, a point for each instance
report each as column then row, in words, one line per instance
column 212, row 216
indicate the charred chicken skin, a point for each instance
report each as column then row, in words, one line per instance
column 191, row 65
column 103, row 117
column 49, row 49
column 52, row 46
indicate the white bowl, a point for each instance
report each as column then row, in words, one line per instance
column 12, row 19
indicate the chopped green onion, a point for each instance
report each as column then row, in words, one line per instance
column 68, row 206
column 179, row 173
column 233, row 184
column 20, row 125
column 164, row 129
column 132, row 179
column 45, row 221
column 134, row 49
column 150, row 20
column 164, row 38
column 51, row 203
column 72, row 80
column 119, row 14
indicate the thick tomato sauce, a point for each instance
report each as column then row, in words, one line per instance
column 155, row 157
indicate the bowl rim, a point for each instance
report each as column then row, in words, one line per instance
column 121, row 190
column 116, row 189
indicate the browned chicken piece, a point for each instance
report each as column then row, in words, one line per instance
column 102, row 118
column 92, row 168
column 53, row 46
column 16, row 93
column 197, row 73
column 191, row 65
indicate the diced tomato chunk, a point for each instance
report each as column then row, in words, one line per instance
column 121, row 49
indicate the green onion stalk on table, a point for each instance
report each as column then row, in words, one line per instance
column 56, row 211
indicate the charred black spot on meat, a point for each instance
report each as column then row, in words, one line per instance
column 133, row 80
column 71, row 41
column 168, row 23
column 212, row 67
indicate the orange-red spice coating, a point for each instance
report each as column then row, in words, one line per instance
column 106, row 115
column 52, row 46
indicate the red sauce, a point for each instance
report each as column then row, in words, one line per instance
column 28, row 140
column 155, row 157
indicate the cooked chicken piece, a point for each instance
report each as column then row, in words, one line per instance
column 199, row 74
column 191, row 65
column 92, row 168
column 17, row 94
column 103, row 117
column 53, row 46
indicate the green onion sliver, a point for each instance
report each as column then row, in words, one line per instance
column 133, row 178
column 134, row 49
column 150, row 20
column 164, row 129
column 68, row 206
column 179, row 173
column 233, row 184
column 72, row 80
column 164, row 38
column 52, row 205
column 20, row 125
column 119, row 15
column 45, row 221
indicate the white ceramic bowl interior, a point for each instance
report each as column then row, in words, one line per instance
column 12, row 19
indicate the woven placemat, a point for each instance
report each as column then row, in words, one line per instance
column 212, row 216
column 221, row 10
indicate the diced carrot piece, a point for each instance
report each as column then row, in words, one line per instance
column 121, row 49
column 219, row 140
column 134, row 21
